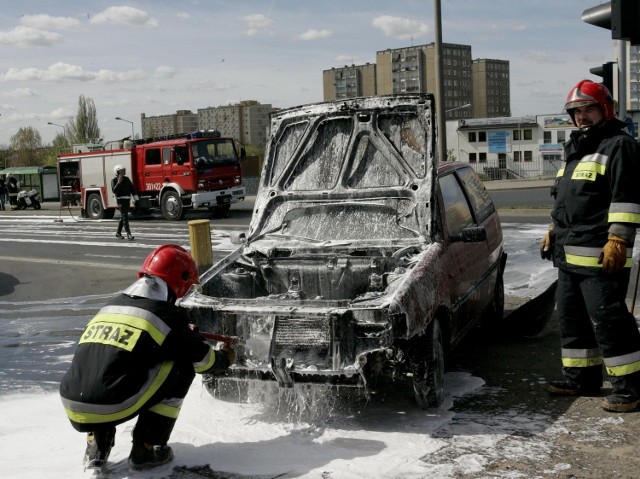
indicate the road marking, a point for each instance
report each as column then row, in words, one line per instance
column 70, row 263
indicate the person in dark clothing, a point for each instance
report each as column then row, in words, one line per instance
column 125, row 192
column 12, row 191
column 595, row 216
column 138, row 357
column 3, row 194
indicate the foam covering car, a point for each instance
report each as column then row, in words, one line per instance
column 364, row 259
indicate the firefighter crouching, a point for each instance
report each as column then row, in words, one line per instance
column 595, row 216
column 138, row 357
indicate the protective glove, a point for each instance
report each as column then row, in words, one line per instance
column 546, row 245
column 613, row 255
column 230, row 354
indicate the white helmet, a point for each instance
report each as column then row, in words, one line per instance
column 118, row 168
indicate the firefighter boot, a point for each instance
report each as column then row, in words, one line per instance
column 99, row 444
column 567, row 388
column 621, row 403
column 146, row 456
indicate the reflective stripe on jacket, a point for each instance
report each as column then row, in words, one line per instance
column 125, row 354
column 597, row 187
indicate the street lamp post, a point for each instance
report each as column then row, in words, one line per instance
column 64, row 128
column 466, row 105
column 132, row 132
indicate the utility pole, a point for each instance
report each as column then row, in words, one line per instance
column 440, row 113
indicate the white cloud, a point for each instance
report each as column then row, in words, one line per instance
column 22, row 36
column 401, row 28
column 256, row 23
column 61, row 71
column 165, row 72
column 125, row 15
column 44, row 22
column 183, row 15
column 539, row 57
column 19, row 93
column 314, row 34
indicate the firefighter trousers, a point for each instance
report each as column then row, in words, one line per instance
column 596, row 328
column 123, row 206
column 159, row 414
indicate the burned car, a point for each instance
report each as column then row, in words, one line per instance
column 364, row 258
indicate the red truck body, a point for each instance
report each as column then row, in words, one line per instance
column 190, row 171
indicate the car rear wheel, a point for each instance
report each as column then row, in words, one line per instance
column 428, row 369
column 493, row 315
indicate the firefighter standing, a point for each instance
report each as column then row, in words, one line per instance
column 124, row 190
column 595, row 216
column 138, row 357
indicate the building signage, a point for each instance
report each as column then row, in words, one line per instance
column 550, row 147
column 557, row 121
column 499, row 141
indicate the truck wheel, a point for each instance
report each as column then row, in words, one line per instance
column 428, row 368
column 171, row 205
column 95, row 210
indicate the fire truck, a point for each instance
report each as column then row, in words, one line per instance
column 193, row 170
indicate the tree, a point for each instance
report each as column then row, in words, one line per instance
column 25, row 145
column 60, row 144
column 84, row 127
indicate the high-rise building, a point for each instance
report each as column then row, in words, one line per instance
column 349, row 81
column 491, row 90
column 164, row 125
column 633, row 72
column 246, row 121
column 413, row 70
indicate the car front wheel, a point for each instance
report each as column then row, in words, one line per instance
column 428, row 369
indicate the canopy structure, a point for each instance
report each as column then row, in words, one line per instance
column 23, row 170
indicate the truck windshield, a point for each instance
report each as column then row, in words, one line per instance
column 213, row 152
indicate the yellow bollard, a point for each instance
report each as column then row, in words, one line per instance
column 200, row 239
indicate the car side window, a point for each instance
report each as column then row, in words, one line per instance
column 456, row 207
column 480, row 199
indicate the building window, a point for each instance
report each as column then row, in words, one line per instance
column 482, row 136
column 516, row 135
column 562, row 136
column 528, row 155
column 547, row 137
column 527, row 134
column 472, row 157
column 483, row 158
column 472, row 137
column 516, row 156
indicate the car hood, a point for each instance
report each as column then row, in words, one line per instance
column 349, row 171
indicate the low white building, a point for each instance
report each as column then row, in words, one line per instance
column 510, row 147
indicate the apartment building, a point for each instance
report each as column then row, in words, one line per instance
column 349, row 82
column 163, row 125
column 412, row 70
column 247, row 121
column 491, row 91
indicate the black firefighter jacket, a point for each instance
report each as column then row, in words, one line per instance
column 596, row 193
column 125, row 354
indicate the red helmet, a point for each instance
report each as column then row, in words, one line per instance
column 586, row 93
column 174, row 265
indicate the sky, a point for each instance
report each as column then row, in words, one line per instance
column 159, row 56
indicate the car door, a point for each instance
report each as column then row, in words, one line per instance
column 469, row 258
